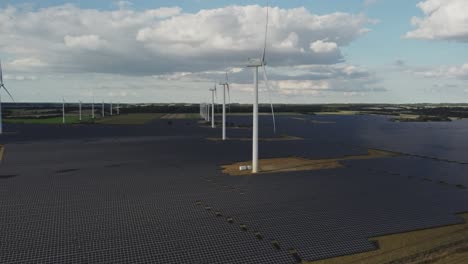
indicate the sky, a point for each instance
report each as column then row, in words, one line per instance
column 147, row 51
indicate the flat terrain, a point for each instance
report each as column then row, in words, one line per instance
column 180, row 116
column 154, row 192
column 277, row 165
column 129, row 119
column 71, row 119
column 124, row 119
column 443, row 245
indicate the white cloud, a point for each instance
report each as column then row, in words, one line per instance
column 163, row 12
column 449, row 72
column 90, row 42
column 239, row 29
column 130, row 50
column 159, row 41
column 321, row 46
column 20, row 77
column 306, row 87
column 443, row 20
column 290, row 42
column 321, row 72
column 27, row 62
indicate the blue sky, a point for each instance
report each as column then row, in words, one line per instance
column 379, row 56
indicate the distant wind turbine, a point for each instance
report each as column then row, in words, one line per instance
column 2, row 85
column 225, row 86
column 92, row 109
column 213, row 94
column 63, row 110
column 80, row 110
column 111, row 113
column 259, row 63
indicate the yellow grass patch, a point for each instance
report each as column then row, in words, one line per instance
column 442, row 245
column 277, row 165
column 2, row 150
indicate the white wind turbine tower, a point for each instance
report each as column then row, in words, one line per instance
column 63, row 110
column 259, row 63
column 213, row 93
column 92, row 109
column 111, row 113
column 202, row 111
column 225, row 86
column 80, row 109
column 6, row 90
column 205, row 111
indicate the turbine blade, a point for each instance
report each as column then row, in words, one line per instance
column 6, row 90
column 229, row 97
column 266, row 33
column 269, row 97
column 227, row 78
column 1, row 73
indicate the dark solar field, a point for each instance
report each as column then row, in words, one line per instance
column 155, row 193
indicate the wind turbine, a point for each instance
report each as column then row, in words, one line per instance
column 63, row 110
column 202, row 111
column 111, row 109
column 118, row 108
column 259, row 63
column 6, row 90
column 225, row 86
column 92, row 109
column 80, row 110
column 213, row 93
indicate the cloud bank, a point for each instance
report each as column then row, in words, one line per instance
column 443, row 20
column 167, row 44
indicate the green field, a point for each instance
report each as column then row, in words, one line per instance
column 128, row 119
column 72, row 119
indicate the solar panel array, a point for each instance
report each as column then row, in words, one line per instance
column 163, row 199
